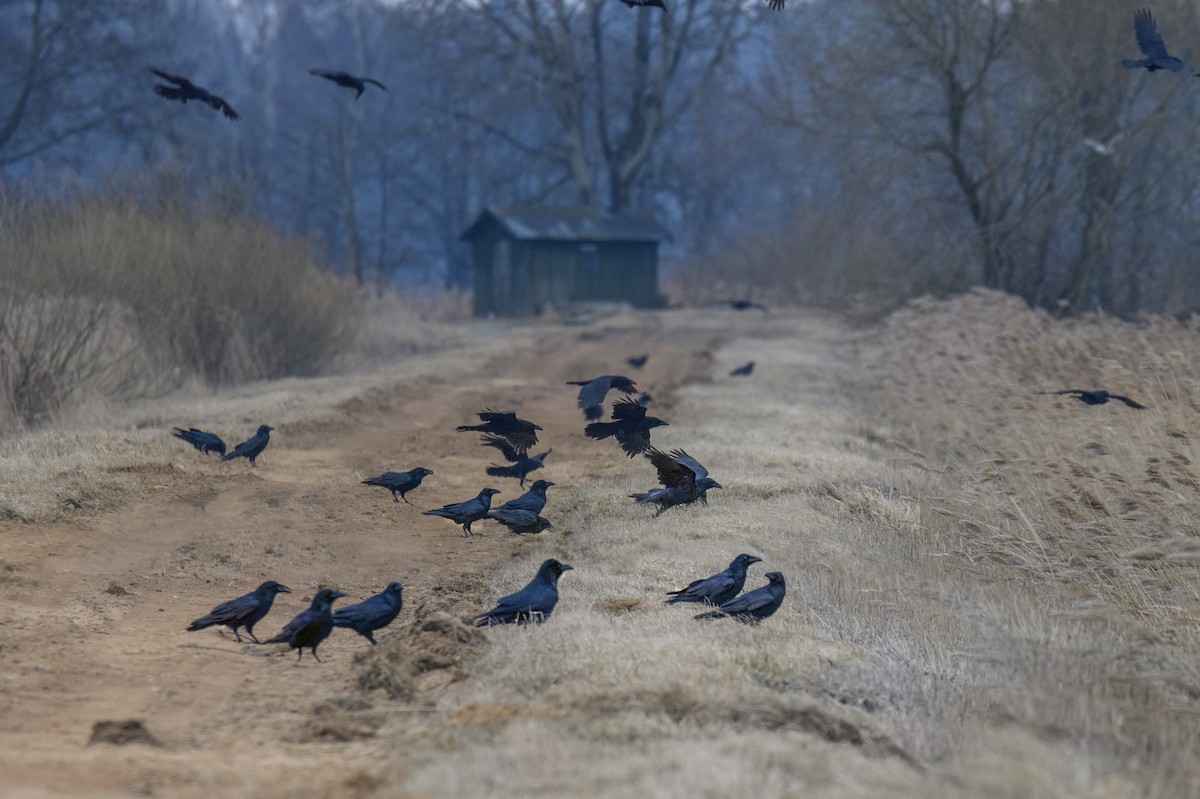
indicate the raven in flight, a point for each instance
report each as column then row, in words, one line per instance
column 521, row 464
column 311, row 627
column 591, row 396
column 372, row 614
column 630, row 425
column 185, row 90
column 521, row 522
column 683, row 478
column 466, row 513
column 252, row 447
column 245, row 611
column 753, row 606
column 399, row 482
column 519, row 433
column 202, row 441
column 1096, row 397
column 638, row 362
column 349, row 81
column 1150, row 42
column 747, row 305
column 645, row 4
column 743, row 371
column 718, row 589
column 775, row 5
column 533, row 603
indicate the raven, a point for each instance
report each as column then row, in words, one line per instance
column 718, row 589
column 533, row 500
column 522, row 464
column 645, row 4
column 185, row 90
column 349, row 81
column 245, row 611
column 591, row 396
column 252, row 447
column 372, row 614
column 521, row 522
column 519, row 433
column 311, row 627
column 775, row 5
column 1150, row 42
column 743, row 371
column 533, row 603
column 749, row 305
column 399, row 482
column 683, row 478
column 629, row 424
column 638, row 362
column 1096, row 397
column 752, row 606
column 202, row 441
column 466, row 513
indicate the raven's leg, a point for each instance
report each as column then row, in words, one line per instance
column 370, row 637
column 315, row 655
column 394, row 496
column 404, row 497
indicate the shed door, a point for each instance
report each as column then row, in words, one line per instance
column 502, row 286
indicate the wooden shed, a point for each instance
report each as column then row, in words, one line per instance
column 527, row 258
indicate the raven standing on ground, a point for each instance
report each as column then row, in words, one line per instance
column 1150, row 42
column 252, row 447
column 630, row 425
column 533, row 603
column 311, row 627
column 519, row 433
column 591, row 396
column 753, row 606
column 204, row 442
column 466, row 513
column 1096, row 397
column 533, row 500
column 521, row 522
column 399, row 482
column 349, row 81
column 720, row 588
column 372, row 614
column 683, row 478
column 522, row 464
column 185, row 90
column 245, row 611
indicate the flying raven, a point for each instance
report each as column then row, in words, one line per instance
column 185, row 90
column 519, row 433
column 1098, row 397
column 638, row 362
column 521, row 464
column 720, row 588
column 311, row 626
column 1150, row 42
column 591, row 396
column 372, row 614
column 349, row 81
column 245, row 611
column 645, row 4
column 533, row 603
column 399, row 482
column 252, row 447
column 630, row 425
column 743, row 371
column 747, row 305
column 202, row 441
column 683, row 478
column 466, row 513
column 753, row 606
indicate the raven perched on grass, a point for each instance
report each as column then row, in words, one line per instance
column 399, row 482
column 519, row 433
column 591, row 396
column 720, row 588
column 753, row 606
column 185, row 90
column 521, row 464
column 521, row 522
column 1150, row 42
column 683, row 478
column 245, row 611
column 202, row 441
column 533, row 500
column 466, row 513
column 349, row 81
column 1099, row 397
column 252, row 447
column 372, row 614
column 533, row 603
column 311, row 627
column 630, row 425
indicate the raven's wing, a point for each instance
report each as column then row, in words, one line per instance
column 775, row 5
column 690, row 462
column 225, row 108
column 327, row 75
column 1149, row 41
column 1127, row 401
column 232, row 610
column 178, row 81
column 290, row 630
column 594, row 391
column 709, row 586
column 749, row 601
column 628, row 410
column 364, row 612
column 1064, row 391
column 377, row 83
column 501, row 444
column 633, row 442
column 246, row 446
column 671, row 473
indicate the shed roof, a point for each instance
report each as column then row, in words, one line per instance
column 547, row 223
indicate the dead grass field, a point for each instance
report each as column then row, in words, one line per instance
column 991, row 593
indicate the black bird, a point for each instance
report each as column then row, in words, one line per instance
column 185, row 90
column 1150, row 42
column 521, row 522
column 519, row 433
column 533, row 603
column 753, row 606
column 683, row 478
column 349, row 81
column 466, row 513
column 645, row 3
column 718, row 589
column 1096, row 397
column 399, row 482
column 743, row 371
column 591, row 396
column 245, row 611
column 775, row 5
column 372, row 614
column 311, row 627
column 252, row 447
column 630, row 425
column 533, row 500
column 204, row 442
column 521, row 464
column 749, row 305
column 638, row 362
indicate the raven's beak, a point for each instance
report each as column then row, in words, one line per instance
column 284, row 589
column 567, row 568
column 716, row 485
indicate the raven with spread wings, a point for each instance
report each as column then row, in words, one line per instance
column 184, row 90
column 684, row 481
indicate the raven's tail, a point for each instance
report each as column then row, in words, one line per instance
column 1142, row 64
column 202, row 623
column 505, row 471
column 712, row 614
